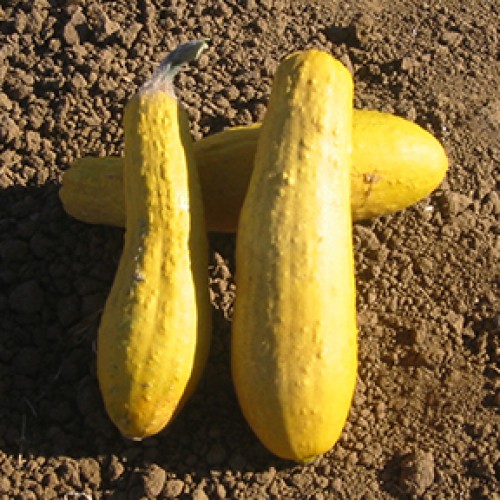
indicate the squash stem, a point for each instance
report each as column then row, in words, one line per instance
column 163, row 76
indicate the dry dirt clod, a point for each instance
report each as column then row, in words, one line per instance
column 27, row 298
column 417, row 472
column 173, row 488
column 154, row 480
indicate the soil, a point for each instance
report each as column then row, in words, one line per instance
column 424, row 421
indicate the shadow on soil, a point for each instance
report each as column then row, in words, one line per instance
column 55, row 276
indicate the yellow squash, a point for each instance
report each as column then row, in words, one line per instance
column 154, row 335
column 294, row 339
column 395, row 164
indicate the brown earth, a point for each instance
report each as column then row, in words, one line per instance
column 424, row 421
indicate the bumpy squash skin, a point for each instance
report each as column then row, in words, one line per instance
column 395, row 164
column 154, row 335
column 294, row 337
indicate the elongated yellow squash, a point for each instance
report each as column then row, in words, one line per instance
column 395, row 164
column 294, row 337
column 154, row 335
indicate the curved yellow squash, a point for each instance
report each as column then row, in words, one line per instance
column 154, row 335
column 294, row 339
column 395, row 164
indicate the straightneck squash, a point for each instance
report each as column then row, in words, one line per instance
column 395, row 163
column 154, row 335
column 294, row 337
